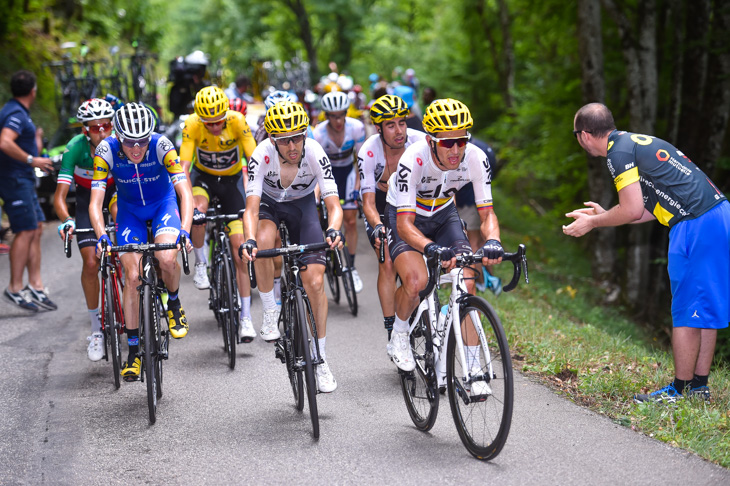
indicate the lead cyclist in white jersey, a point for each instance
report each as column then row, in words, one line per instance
column 283, row 172
column 341, row 138
column 376, row 161
column 421, row 214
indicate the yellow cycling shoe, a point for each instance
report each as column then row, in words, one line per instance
column 178, row 321
column 131, row 372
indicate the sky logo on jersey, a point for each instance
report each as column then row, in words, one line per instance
column 403, row 175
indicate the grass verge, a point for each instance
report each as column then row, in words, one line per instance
column 560, row 331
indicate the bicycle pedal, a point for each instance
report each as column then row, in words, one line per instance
column 279, row 351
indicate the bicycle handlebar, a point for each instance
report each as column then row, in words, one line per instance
column 143, row 247
column 275, row 252
column 381, row 251
column 67, row 238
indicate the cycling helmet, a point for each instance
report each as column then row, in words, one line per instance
column 388, row 107
column 237, row 104
column 94, row 109
column 277, row 96
column 335, row 101
column 445, row 115
column 330, row 87
column 284, row 117
column 134, row 121
column 211, row 104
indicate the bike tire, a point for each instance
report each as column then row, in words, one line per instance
column 348, row 284
column 148, row 362
column 230, row 317
column 332, row 280
column 296, row 376
column 420, row 387
column 306, row 357
column 111, row 328
column 484, row 422
column 160, row 333
column 220, row 286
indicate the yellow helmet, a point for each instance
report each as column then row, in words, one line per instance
column 330, row 87
column 388, row 107
column 211, row 103
column 445, row 115
column 284, row 117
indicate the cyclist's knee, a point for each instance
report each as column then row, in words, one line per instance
column 413, row 282
column 167, row 259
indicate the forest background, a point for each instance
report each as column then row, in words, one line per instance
column 523, row 67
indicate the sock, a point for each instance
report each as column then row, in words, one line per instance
column 399, row 325
column 133, row 341
column 268, row 299
column 277, row 289
column 699, row 381
column 322, row 353
column 388, row 323
column 680, row 385
column 352, row 260
column 95, row 321
column 472, row 357
column 200, row 255
column 245, row 306
column 172, row 296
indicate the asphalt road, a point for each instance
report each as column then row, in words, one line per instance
column 62, row 421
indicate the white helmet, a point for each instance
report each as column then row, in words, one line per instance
column 94, row 109
column 133, row 120
column 335, row 101
column 345, row 82
column 197, row 57
column 277, row 96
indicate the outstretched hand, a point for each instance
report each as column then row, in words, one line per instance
column 583, row 219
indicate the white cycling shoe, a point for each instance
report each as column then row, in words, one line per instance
column 399, row 350
column 95, row 351
column 201, row 276
column 270, row 327
column 356, row 281
column 246, row 332
column 325, row 381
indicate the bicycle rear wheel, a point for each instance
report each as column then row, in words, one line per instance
column 332, row 280
column 480, row 383
column 111, row 327
column 303, row 353
column 420, row 388
column 148, row 363
column 228, row 312
column 348, row 284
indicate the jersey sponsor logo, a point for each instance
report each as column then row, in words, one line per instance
column 610, row 144
column 419, row 161
column 266, row 159
column 226, row 143
column 402, row 180
column 166, row 218
column 252, row 165
column 125, row 234
column 165, row 145
column 486, row 165
column 326, row 168
column 628, row 166
column 370, row 153
column 661, row 155
column 218, row 160
column 641, row 139
column 102, row 149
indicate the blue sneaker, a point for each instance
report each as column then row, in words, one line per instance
column 700, row 392
column 668, row 394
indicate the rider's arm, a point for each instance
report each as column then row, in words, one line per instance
column 65, row 179
column 481, row 169
column 247, row 140
column 368, row 207
column 334, row 212
column 98, row 189
column 187, row 148
column 182, row 187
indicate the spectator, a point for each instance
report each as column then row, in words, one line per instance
column 240, row 88
column 411, row 80
column 407, row 94
column 20, row 144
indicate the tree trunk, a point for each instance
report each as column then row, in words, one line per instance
column 502, row 51
column 675, row 18
column 305, row 34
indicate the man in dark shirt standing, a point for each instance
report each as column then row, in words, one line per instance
column 654, row 180
column 20, row 143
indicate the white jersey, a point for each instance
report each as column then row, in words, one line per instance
column 371, row 159
column 419, row 187
column 264, row 170
column 354, row 138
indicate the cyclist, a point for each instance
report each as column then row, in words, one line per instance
column 282, row 174
column 78, row 167
column 147, row 173
column 237, row 104
column 341, row 138
column 216, row 139
column 421, row 215
column 376, row 161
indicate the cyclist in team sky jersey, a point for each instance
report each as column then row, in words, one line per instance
column 215, row 140
column 147, row 174
column 78, row 167
column 377, row 160
column 341, row 138
column 654, row 180
column 283, row 172
column 421, row 215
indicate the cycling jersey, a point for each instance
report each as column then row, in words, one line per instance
column 341, row 156
column 371, row 159
column 78, row 164
column 15, row 116
column 218, row 155
column 141, row 184
column 674, row 188
column 264, row 169
column 419, row 187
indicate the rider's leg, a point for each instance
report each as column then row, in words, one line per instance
column 197, row 234
column 313, row 280
column 90, row 285
column 130, row 301
column 414, row 276
column 350, row 223
column 244, row 286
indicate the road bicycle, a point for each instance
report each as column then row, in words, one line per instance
column 223, row 294
column 334, row 270
column 153, row 336
column 297, row 347
column 468, row 357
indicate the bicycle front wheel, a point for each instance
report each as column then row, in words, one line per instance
column 480, row 380
column 228, row 312
column 420, row 388
column 111, row 327
column 305, row 355
column 348, row 284
column 150, row 340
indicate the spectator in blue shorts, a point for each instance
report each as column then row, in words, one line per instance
column 20, row 144
column 654, row 180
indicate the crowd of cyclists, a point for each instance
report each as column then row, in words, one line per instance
column 388, row 160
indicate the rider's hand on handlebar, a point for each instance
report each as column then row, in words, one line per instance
column 198, row 216
column 247, row 251
column 188, row 244
column 447, row 255
column 334, row 238
column 70, row 224
column 103, row 242
column 493, row 252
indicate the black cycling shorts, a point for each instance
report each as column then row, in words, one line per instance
column 302, row 221
column 83, row 220
column 380, row 197
column 444, row 228
column 228, row 189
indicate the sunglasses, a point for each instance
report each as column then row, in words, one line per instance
column 576, row 132
column 104, row 127
column 450, row 142
column 215, row 123
column 284, row 141
column 134, row 142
